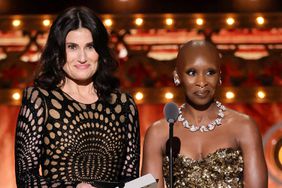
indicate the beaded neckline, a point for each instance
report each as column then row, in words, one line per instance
column 203, row 128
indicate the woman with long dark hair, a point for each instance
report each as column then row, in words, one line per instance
column 75, row 128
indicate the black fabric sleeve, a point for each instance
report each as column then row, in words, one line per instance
column 131, row 164
column 28, row 143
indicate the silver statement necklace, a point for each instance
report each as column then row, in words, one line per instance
column 203, row 128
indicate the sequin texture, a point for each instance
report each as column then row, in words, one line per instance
column 221, row 169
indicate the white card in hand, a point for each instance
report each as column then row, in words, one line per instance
column 146, row 181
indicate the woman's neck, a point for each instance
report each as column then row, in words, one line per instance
column 200, row 114
column 81, row 92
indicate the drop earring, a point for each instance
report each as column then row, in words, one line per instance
column 220, row 78
column 176, row 81
column 220, row 81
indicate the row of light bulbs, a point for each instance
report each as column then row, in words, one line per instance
column 139, row 21
column 18, row 22
column 229, row 95
column 168, row 95
column 199, row 21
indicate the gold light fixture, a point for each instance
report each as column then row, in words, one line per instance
column 261, row 94
column 139, row 96
column 108, row 22
column 46, row 22
column 169, row 95
column 16, row 23
column 199, row 21
column 260, row 20
column 169, row 21
column 3, row 54
column 230, row 21
column 138, row 21
column 230, row 95
column 16, row 96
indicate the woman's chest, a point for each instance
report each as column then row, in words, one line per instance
column 199, row 144
column 84, row 131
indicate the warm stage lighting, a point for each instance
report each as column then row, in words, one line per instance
column 169, row 21
column 229, row 95
column 16, row 23
column 46, row 22
column 108, row 22
column 16, row 96
column 139, row 96
column 230, row 21
column 199, row 21
column 3, row 54
column 139, row 21
column 260, row 20
column 261, row 94
column 280, row 155
column 169, row 95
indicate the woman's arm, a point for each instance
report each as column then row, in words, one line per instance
column 132, row 160
column 255, row 169
column 28, row 144
column 152, row 152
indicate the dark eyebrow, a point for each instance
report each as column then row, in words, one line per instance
column 87, row 44
column 90, row 44
column 212, row 68
column 190, row 69
column 71, row 43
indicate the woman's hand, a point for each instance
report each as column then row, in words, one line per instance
column 84, row 185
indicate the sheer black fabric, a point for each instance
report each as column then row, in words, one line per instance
column 61, row 142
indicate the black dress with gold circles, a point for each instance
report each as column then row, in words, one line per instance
column 61, row 142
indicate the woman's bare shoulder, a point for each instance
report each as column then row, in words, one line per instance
column 158, row 129
column 236, row 116
column 241, row 122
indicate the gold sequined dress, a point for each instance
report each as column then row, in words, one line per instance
column 221, row 169
column 73, row 142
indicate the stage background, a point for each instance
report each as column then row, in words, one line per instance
column 251, row 49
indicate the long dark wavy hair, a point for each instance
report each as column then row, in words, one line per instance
column 51, row 74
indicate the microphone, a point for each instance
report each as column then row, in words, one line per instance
column 171, row 113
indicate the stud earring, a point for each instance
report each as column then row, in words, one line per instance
column 176, row 81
